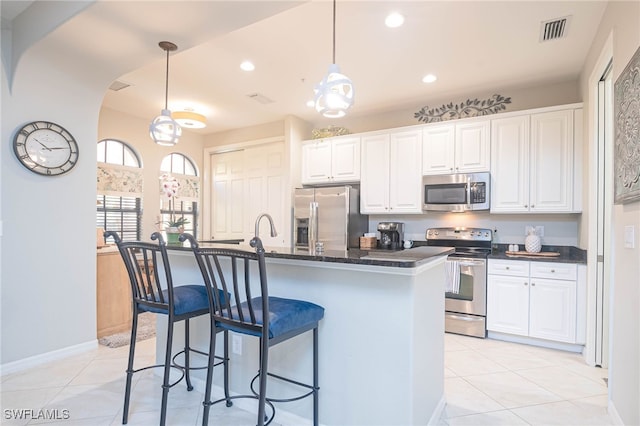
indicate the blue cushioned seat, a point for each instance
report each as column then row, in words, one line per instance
column 186, row 298
column 285, row 315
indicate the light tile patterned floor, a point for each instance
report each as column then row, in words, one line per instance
column 487, row 382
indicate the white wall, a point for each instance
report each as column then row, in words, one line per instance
column 622, row 19
column 48, row 280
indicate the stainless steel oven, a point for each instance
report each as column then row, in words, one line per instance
column 466, row 278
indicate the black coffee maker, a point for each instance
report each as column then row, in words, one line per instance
column 391, row 235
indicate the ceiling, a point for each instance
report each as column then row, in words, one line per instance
column 472, row 46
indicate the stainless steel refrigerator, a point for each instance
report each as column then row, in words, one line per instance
column 330, row 215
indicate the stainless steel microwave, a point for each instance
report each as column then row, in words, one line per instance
column 459, row 192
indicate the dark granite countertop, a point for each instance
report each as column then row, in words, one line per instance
column 568, row 254
column 406, row 258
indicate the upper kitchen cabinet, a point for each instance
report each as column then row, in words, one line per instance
column 533, row 163
column 456, row 148
column 391, row 173
column 328, row 161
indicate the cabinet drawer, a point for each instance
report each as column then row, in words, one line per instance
column 508, row 267
column 558, row 271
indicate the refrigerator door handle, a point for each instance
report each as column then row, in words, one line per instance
column 313, row 225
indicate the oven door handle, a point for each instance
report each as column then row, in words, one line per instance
column 464, row 318
column 469, row 262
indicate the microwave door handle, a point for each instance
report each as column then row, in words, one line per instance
column 469, row 193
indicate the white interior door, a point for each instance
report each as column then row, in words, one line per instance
column 246, row 183
column 604, row 202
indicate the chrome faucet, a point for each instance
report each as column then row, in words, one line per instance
column 273, row 228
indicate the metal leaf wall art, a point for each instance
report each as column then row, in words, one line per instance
column 469, row 108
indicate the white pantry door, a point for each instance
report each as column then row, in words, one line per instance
column 246, row 183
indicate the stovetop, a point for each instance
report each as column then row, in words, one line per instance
column 468, row 242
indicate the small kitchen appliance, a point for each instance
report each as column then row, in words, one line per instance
column 456, row 193
column 466, row 278
column 391, row 235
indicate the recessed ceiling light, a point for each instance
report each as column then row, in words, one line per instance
column 311, row 104
column 429, row 78
column 394, row 20
column 247, row 66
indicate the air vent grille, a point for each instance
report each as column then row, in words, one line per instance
column 118, row 85
column 554, row 29
column 260, row 98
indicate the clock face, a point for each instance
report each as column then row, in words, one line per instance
column 45, row 148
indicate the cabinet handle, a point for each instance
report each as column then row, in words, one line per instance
column 451, row 168
column 507, row 268
column 533, row 284
column 457, row 168
column 526, row 205
column 525, row 283
column 553, row 271
column 532, row 206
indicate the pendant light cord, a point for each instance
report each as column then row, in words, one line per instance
column 334, row 31
column 166, row 84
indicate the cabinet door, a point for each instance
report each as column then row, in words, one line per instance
column 508, row 304
column 345, row 159
column 405, row 177
column 228, row 196
column 472, row 147
column 374, row 174
column 552, row 312
column 316, row 162
column 510, row 165
column 551, row 162
column 438, row 149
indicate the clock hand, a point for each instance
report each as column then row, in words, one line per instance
column 43, row 145
column 59, row 147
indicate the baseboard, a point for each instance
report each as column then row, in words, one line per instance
column 437, row 413
column 611, row 409
column 282, row 416
column 569, row 347
column 36, row 360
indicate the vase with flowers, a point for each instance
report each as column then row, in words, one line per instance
column 173, row 227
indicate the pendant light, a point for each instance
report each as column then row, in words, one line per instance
column 334, row 94
column 164, row 130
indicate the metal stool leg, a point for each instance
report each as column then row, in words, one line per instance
column 262, row 396
column 315, row 376
column 132, row 350
column 167, row 369
column 225, row 365
column 207, row 389
column 186, row 355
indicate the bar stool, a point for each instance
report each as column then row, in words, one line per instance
column 231, row 271
column 152, row 290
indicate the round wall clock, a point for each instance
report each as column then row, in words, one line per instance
column 45, row 148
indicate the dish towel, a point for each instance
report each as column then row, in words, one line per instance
column 452, row 276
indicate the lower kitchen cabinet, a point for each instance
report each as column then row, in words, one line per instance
column 533, row 299
column 113, row 298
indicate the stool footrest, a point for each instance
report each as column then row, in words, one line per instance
column 285, row 379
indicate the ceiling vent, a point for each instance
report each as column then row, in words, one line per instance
column 118, row 85
column 554, row 29
column 262, row 99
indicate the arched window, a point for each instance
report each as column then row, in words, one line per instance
column 119, row 204
column 184, row 205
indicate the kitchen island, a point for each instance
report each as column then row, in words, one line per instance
column 381, row 341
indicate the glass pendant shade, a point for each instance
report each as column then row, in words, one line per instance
column 164, row 130
column 334, row 94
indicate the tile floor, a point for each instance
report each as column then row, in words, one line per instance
column 487, row 382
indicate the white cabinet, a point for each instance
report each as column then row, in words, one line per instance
column 328, row 161
column 456, row 148
column 534, row 299
column 391, row 174
column 532, row 163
